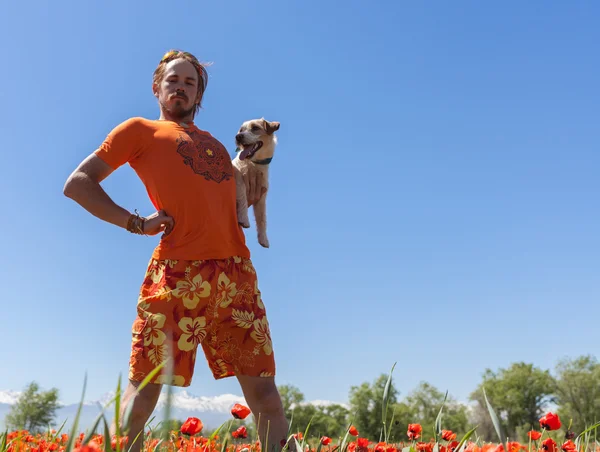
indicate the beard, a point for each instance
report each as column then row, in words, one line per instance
column 178, row 112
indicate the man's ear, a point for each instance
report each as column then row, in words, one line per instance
column 155, row 89
column 271, row 127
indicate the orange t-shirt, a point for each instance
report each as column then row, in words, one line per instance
column 187, row 173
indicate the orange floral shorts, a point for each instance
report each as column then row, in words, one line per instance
column 212, row 303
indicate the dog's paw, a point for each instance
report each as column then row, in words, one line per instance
column 263, row 240
column 244, row 221
column 243, row 218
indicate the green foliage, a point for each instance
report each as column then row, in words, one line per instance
column 366, row 404
column 34, row 411
column 328, row 420
column 577, row 391
column 519, row 394
column 422, row 406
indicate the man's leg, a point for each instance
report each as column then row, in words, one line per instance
column 263, row 399
column 144, row 403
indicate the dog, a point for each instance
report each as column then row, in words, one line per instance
column 255, row 145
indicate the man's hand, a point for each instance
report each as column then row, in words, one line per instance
column 158, row 222
column 255, row 185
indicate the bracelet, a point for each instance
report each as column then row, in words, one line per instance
column 135, row 224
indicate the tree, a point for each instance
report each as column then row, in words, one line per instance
column 34, row 410
column 519, row 395
column 329, row 420
column 366, row 403
column 290, row 397
column 578, row 391
column 424, row 404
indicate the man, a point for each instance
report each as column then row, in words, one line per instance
column 200, row 287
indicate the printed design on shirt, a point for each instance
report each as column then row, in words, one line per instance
column 205, row 155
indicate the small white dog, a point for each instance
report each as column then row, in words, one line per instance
column 256, row 143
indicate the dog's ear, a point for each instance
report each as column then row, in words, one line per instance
column 271, row 127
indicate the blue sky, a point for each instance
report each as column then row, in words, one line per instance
column 434, row 194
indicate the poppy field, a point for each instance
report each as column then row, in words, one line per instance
column 551, row 435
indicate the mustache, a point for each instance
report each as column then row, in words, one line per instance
column 180, row 94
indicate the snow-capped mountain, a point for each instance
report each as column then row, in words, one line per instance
column 213, row 411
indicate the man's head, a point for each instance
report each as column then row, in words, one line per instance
column 179, row 83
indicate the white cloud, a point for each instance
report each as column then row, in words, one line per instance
column 186, row 401
column 9, row 397
column 322, row 403
column 181, row 400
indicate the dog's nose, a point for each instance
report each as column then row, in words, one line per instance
column 238, row 137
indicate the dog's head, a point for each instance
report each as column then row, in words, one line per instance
column 256, row 138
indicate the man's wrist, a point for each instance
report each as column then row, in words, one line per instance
column 135, row 223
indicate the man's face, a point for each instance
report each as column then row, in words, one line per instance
column 177, row 93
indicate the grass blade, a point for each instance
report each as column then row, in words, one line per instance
column 306, row 431
column 69, row 446
column 141, row 432
column 588, row 430
column 59, row 430
column 90, row 434
column 437, row 429
column 343, row 445
column 291, row 421
column 107, row 446
column 4, row 437
column 118, row 414
column 386, row 399
column 495, row 421
column 465, row 439
column 387, row 436
column 225, row 441
column 216, row 432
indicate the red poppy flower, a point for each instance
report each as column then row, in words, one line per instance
column 87, row 448
column 414, row 431
column 424, row 447
column 380, row 447
column 570, row 434
column 534, row 435
column 550, row 421
column 450, row 448
column 549, row 445
column 325, row 440
column 569, row 446
column 192, row 426
column 240, row 433
column 240, row 411
column 362, row 442
column 352, row 430
column 123, row 440
column 448, row 435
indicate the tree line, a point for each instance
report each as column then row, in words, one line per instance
column 520, row 395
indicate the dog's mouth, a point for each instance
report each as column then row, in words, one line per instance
column 248, row 150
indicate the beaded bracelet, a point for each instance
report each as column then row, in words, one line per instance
column 135, row 224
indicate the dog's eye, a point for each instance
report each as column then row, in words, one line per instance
column 255, row 128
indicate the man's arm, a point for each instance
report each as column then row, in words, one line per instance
column 83, row 187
